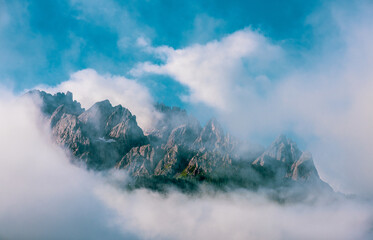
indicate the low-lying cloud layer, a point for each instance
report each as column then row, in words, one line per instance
column 237, row 215
column 46, row 197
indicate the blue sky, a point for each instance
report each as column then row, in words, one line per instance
column 45, row 41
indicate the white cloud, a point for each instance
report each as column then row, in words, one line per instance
column 214, row 72
column 43, row 196
column 114, row 16
column 326, row 100
column 89, row 87
column 237, row 215
column 331, row 99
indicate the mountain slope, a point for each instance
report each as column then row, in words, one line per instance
column 177, row 150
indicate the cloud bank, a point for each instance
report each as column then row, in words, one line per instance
column 237, row 215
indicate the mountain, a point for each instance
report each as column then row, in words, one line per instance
column 283, row 160
column 178, row 150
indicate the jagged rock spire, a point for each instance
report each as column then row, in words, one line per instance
column 106, row 136
column 290, row 162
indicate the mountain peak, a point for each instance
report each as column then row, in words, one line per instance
column 102, row 104
column 284, row 157
column 284, row 149
column 97, row 115
column 51, row 102
column 105, row 136
column 212, row 136
column 69, row 95
column 213, row 126
column 283, row 139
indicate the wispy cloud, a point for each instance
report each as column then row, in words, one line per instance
column 219, row 73
column 114, row 16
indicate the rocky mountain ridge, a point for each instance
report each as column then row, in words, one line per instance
column 177, row 149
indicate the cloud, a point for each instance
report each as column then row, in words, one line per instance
column 259, row 89
column 90, row 87
column 327, row 102
column 214, row 72
column 43, row 196
column 236, row 215
column 330, row 99
column 114, row 16
column 205, row 29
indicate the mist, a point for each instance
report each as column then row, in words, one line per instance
column 45, row 196
column 237, row 215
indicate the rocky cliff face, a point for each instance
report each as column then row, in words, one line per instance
column 284, row 160
column 178, row 148
column 99, row 136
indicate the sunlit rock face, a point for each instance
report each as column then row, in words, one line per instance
column 99, row 136
column 177, row 149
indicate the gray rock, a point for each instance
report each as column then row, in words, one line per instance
column 104, row 137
